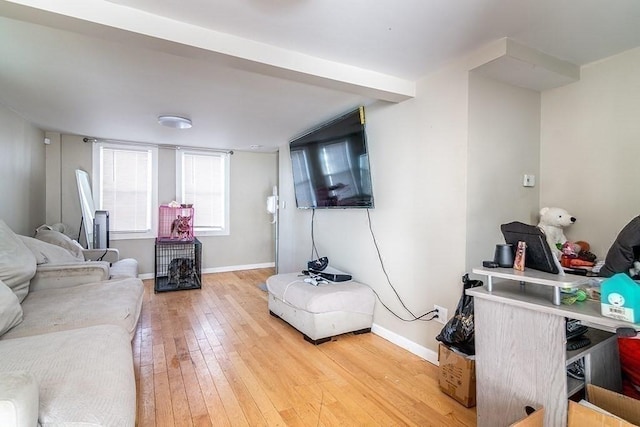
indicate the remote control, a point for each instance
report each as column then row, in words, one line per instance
column 490, row 264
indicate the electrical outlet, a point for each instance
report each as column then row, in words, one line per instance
column 442, row 314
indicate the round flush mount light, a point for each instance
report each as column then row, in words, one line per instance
column 175, row 122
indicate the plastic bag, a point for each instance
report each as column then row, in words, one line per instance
column 458, row 332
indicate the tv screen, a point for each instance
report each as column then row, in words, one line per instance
column 331, row 165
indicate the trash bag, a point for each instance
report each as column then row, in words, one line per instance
column 458, row 332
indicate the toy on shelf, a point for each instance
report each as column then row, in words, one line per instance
column 553, row 221
column 577, row 255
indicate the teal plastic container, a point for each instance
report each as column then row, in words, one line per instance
column 620, row 298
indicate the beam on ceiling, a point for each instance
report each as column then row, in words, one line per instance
column 99, row 18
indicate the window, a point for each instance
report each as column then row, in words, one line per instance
column 125, row 184
column 203, row 179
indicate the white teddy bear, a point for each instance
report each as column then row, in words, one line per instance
column 552, row 222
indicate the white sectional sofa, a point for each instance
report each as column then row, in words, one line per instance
column 65, row 344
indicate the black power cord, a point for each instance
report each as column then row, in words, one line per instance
column 101, row 257
column 314, row 250
column 316, row 255
column 384, row 270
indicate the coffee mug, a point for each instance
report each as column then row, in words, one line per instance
column 504, row 255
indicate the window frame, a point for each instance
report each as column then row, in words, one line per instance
column 97, row 187
column 225, row 230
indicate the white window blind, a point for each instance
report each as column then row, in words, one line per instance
column 203, row 181
column 126, row 188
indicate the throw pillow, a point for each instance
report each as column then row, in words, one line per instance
column 17, row 263
column 10, row 309
column 62, row 240
column 47, row 253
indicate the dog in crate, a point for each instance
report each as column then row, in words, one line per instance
column 182, row 271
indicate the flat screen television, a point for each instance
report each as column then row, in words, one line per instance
column 330, row 165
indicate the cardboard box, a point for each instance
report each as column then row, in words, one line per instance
column 610, row 409
column 617, row 404
column 535, row 419
column 457, row 376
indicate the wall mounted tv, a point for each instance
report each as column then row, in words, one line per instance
column 331, row 165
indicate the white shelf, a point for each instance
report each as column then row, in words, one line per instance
column 574, row 386
column 521, row 334
column 598, row 338
column 557, row 282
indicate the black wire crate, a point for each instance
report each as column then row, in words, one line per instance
column 178, row 265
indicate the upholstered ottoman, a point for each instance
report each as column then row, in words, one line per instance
column 321, row 311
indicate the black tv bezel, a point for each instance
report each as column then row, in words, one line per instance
column 538, row 254
column 307, row 139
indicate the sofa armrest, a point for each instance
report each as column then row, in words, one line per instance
column 53, row 276
column 110, row 255
column 19, row 399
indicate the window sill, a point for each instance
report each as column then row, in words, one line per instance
column 207, row 233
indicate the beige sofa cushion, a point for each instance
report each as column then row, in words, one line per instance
column 17, row 263
column 10, row 309
column 47, row 253
column 115, row 302
column 84, row 375
column 18, row 399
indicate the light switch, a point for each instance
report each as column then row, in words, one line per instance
column 529, row 181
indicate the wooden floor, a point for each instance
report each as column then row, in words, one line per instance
column 215, row 356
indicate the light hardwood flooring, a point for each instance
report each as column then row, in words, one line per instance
column 215, row 356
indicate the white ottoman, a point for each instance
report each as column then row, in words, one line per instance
column 323, row 311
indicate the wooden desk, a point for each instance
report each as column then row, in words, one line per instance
column 521, row 355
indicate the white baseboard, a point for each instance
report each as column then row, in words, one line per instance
column 220, row 269
column 238, row 267
column 429, row 355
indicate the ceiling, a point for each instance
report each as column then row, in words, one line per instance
column 259, row 72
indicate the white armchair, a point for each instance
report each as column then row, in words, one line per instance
column 118, row 268
column 62, row 262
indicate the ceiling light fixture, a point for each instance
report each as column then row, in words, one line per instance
column 175, row 122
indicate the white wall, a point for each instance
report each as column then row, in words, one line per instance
column 253, row 176
column 418, row 155
column 22, row 175
column 447, row 171
column 504, row 144
column 590, row 146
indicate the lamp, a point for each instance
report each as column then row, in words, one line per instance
column 175, row 122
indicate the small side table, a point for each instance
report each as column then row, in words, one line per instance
column 177, row 265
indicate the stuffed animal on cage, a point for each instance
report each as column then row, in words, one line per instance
column 181, row 227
